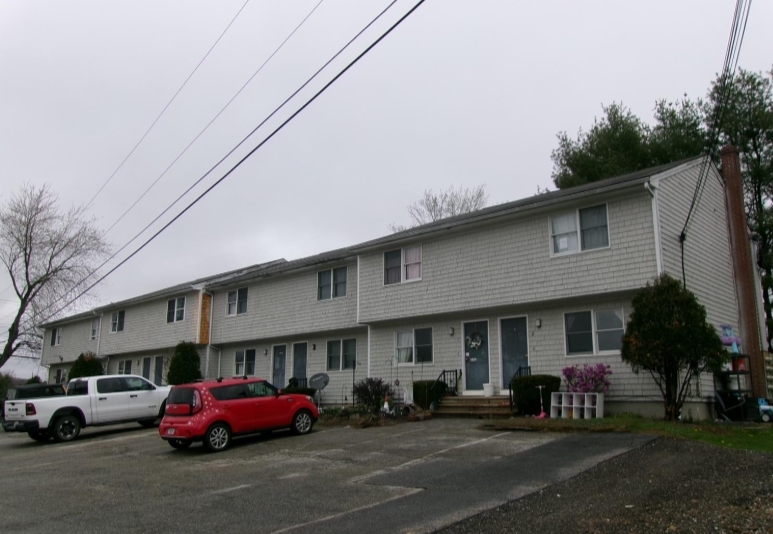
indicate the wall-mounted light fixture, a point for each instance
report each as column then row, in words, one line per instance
column 61, row 359
column 313, row 346
column 265, row 352
column 450, row 330
column 538, row 322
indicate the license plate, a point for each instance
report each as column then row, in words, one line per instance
column 170, row 431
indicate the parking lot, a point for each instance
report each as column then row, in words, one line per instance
column 402, row 478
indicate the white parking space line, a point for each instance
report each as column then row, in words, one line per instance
column 229, row 490
column 359, row 479
column 407, row 493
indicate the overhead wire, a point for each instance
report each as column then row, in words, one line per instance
column 244, row 158
column 249, row 80
column 138, row 143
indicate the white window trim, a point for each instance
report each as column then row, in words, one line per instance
column 402, row 266
column 579, row 232
column 255, row 370
column 332, row 283
column 594, row 333
column 116, row 331
column 414, row 363
column 94, row 335
column 176, row 309
column 236, row 313
column 341, row 368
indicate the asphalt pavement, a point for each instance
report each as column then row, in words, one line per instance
column 415, row 477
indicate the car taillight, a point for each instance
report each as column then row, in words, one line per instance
column 196, row 404
column 31, row 409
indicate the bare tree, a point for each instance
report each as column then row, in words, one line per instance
column 49, row 254
column 445, row 203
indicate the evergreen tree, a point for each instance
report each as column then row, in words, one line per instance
column 185, row 366
column 86, row 365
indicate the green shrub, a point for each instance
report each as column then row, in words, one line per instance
column 86, row 365
column 300, row 391
column 185, row 366
column 424, row 394
column 370, row 393
column 527, row 396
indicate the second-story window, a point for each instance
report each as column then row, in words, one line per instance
column 584, row 229
column 56, row 337
column 116, row 321
column 331, row 283
column 237, row 301
column 175, row 310
column 402, row 265
column 94, row 328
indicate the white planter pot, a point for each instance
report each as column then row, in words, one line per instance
column 488, row 390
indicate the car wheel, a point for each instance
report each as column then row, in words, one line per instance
column 39, row 435
column 179, row 443
column 66, row 428
column 766, row 417
column 217, row 438
column 302, row 423
column 147, row 423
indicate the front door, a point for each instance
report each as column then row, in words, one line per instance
column 278, row 375
column 299, row 361
column 515, row 347
column 158, row 372
column 476, row 355
column 146, row 367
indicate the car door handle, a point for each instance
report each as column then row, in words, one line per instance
column 132, row 396
column 102, row 398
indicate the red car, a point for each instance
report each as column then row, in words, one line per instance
column 216, row 410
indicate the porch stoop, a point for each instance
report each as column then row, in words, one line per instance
column 480, row 407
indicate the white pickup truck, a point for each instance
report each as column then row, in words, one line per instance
column 96, row 400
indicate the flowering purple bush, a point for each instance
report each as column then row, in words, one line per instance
column 587, row 378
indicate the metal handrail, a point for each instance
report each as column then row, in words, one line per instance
column 450, row 377
column 521, row 371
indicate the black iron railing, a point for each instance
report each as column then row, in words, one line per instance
column 296, row 382
column 522, row 371
column 450, row 378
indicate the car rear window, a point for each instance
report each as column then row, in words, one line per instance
column 223, row 393
column 180, row 396
column 79, row 387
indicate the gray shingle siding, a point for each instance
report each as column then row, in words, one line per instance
column 285, row 305
column 511, row 264
column 75, row 339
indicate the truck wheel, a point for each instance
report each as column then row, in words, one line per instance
column 179, row 443
column 66, row 428
column 766, row 417
column 39, row 435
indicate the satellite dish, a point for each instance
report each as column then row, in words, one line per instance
column 319, row 381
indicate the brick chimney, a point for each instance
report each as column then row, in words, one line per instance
column 743, row 266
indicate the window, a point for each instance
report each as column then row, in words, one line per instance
column 56, row 337
column 95, row 328
column 333, row 355
column 175, row 310
column 78, row 387
column 110, row 385
column 261, row 389
column 414, row 346
column 244, row 364
column 331, row 284
column 116, row 321
column 225, row 393
column 137, row 384
column 350, row 353
column 402, row 265
column 59, row 376
column 237, row 301
column 589, row 332
column 584, row 229
column 125, row 367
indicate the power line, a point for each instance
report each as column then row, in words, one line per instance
column 243, row 159
column 215, row 117
column 244, row 139
column 167, row 105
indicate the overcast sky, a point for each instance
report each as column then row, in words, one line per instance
column 462, row 93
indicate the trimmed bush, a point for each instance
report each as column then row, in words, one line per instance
column 526, row 394
column 299, row 391
column 85, row 365
column 370, row 392
column 185, row 366
column 424, row 394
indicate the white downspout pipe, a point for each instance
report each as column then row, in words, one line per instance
column 209, row 339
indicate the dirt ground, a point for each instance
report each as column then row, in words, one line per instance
column 667, row 486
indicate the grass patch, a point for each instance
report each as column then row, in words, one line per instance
column 748, row 436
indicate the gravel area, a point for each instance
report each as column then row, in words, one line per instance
column 667, row 486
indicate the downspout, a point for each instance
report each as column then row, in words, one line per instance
column 99, row 341
column 652, row 187
column 209, row 338
column 198, row 317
